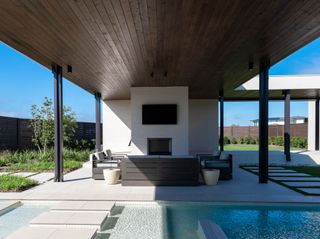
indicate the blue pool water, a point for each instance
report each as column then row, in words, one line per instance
column 19, row 217
column 245, row 222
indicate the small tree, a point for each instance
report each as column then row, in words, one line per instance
column 42, row 123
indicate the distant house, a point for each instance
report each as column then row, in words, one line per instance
column 280, row 120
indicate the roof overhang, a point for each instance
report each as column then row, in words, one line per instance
column 114, row 45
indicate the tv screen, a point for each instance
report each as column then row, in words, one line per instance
column 159, row 114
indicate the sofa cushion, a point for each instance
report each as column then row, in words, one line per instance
column 224, row 156
column 216, row 164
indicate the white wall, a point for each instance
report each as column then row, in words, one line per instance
column 311, row 124
column 116, row 125
column 203, row 126
column 159, row 95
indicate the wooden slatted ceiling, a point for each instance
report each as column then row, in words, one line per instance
column 115, row 44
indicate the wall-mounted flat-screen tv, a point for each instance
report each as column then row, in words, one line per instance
column 159, row 114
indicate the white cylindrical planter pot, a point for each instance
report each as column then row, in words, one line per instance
column 211, row 176
column 111, row 176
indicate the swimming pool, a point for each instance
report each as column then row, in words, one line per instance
column 180, row 220
column 246, row 222
column 19, row 217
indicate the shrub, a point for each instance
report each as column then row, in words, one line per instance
column 28, row 157
column 83, row 144
column 298, row 142
column 234, row 140
column 279, row 140
column 68, row 166
column 241, row 140
column 226, row 140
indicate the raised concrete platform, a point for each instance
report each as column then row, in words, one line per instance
column 296, row 179
column 69, row 219
column 303, row 184
column 53, row 233
column 5, row 206
column 311, row 190
column 84, row 206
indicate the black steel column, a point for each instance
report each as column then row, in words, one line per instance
column 58, row 126
column 98, row 121
column 263, row 120
column 287, row 97
column 221, row 139
column 317, row 126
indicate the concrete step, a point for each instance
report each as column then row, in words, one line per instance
column 105, row 206
column 8, row 205
column 53, row 233
column 70, row 219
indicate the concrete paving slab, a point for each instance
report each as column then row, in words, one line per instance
column 288, row 174
column 84, row 206
column 273, row 168
column 276, row 171
column 311, row 190
column 303, row 184
column 24, row 174
column 42, row 177
column 67, row 218
column 3, row 173
column 5, row 206
column 53, row 233
column 296, row 179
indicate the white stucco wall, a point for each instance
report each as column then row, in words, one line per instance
column 116, row 125
column 311, row 124
column 203, row 126
column 178, row 132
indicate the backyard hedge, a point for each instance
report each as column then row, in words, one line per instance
column 295, row 142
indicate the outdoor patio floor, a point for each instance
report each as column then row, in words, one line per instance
column 244, row 187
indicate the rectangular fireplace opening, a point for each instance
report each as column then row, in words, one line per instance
column 160, row 146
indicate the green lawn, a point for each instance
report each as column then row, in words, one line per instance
column 10, row 183
column 251, row 147
column 312, row 170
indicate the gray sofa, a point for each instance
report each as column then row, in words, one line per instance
column 104, row 160
column 221, row 161
column 160, row 171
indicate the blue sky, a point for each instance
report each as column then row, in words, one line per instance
column 25, row 82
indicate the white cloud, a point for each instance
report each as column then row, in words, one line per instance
column 8, row 114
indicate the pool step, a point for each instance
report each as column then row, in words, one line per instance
column 209, row 230
column 70, row 219
column 53, row 233
column 8, row 205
